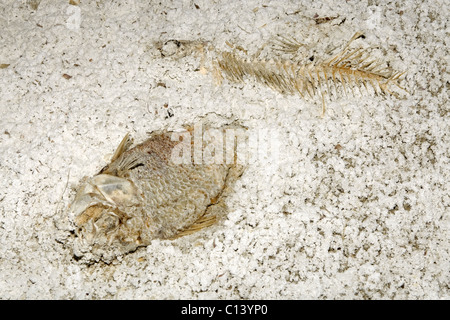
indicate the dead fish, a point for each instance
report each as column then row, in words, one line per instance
column 318, row 80
column 144, row 195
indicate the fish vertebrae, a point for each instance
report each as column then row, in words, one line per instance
column 334, row 77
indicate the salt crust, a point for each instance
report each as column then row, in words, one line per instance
column 356, row 206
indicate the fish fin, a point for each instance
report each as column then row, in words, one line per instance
column 124, row 145
column 116, row 168
column 286, row 44
column 204, row 221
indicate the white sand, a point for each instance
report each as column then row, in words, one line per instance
column 356, row 207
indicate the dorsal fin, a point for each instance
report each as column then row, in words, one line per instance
column 117, row 167
column 124, row 145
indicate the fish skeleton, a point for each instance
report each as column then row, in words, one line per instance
column 316, row 80
column 144, row 195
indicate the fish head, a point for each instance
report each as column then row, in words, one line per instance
column 103, row 212
column 103, row 190
column 177, row 49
